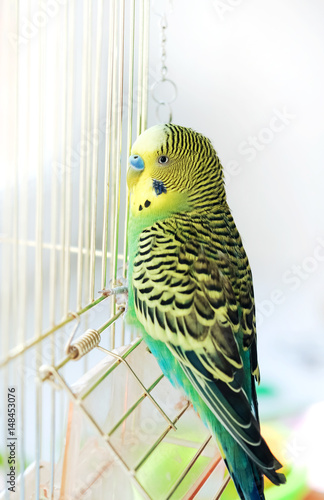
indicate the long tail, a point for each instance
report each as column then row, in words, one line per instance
column 247, row 475
column 247, row 479
column 256, row 491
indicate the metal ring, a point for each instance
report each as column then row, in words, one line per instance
column 159, row 84
column 164, row 105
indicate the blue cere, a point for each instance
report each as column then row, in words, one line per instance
column 159, row 187
column 136, row 162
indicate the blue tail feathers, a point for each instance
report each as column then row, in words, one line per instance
column 247, row 475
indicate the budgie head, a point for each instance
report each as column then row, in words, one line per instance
column 173, row 168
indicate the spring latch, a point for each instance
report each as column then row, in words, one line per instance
column 90, row 339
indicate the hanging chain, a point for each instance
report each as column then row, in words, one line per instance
column 164, row 91
column 164, row 25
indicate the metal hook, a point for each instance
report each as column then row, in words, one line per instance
column 75, row 315
column 163, row 105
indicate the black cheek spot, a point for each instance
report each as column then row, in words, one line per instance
column 147, row 203
column 140, row 208
column 159, row 187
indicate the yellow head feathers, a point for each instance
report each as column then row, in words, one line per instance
column 173, row 168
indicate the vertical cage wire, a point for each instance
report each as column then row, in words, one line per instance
column 72, row 110
column 62, row 193
column 77, row 96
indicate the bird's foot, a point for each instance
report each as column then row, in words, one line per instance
column 183, row 401
column 120, row 292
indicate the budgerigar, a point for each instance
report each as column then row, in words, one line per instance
column 191, row 293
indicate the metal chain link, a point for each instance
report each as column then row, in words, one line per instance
column 164, row 91
column 164, row 25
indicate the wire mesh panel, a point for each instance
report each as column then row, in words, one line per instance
column 76, row 97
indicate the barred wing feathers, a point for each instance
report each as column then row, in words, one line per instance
column 185, row 298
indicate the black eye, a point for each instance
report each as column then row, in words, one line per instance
column 163, row 160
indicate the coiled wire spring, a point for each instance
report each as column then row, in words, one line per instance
column 90, row 339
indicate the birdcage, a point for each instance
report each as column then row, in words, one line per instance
column 86, row 412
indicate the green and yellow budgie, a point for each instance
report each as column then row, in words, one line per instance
column 191, row 293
